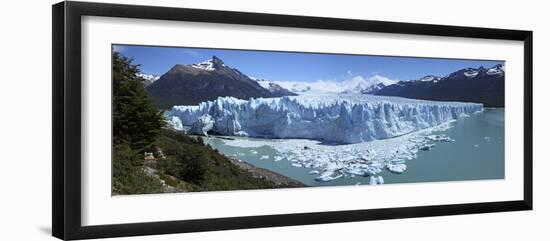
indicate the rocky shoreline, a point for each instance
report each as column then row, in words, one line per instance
column 279, row 180
column 262, row 173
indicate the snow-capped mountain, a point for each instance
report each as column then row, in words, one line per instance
column 149, row 78
column 210, row 65
column 473, row 72
column 480, row 85
column 370, row 85
column 496, row 70
column 273, row 87
column 188, row 84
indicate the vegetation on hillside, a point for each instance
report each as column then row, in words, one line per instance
column 193, row 162
column 179, row 163
column 136, row 126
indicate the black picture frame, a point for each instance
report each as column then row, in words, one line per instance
column 66, row 47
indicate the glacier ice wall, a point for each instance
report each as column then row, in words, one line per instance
column 332, row 118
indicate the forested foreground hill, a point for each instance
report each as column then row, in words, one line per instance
column 148, row 158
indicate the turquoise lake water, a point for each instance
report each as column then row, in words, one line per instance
column 476, row 154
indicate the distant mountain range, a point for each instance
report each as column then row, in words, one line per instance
column 194, row 83
column 273, row 87
column 370, row 85
column 479, row 85
column 354, row 85
column 149, row 78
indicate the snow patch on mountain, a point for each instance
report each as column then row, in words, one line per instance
column 149, row 78
column 209, row 65
column 496, row 70
column 266, row 84
column 340, row 118
column 263, row 83
column 471, row 73
column 430, row 78
column 206, row 65
column 273, row 87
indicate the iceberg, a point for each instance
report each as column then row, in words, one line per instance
column 313, row 172
column 330, row 118
column 376, row 180
column 328, row 176
column 396, row 168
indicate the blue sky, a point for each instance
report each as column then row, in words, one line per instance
column 305, row 67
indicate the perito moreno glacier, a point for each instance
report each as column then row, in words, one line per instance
column 334, row 118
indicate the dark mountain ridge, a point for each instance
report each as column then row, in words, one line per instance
column 479, row 85
column 195, row 83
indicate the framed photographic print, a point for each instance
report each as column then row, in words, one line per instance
column 170, row 120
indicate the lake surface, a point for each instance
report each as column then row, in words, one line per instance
column 477, row 153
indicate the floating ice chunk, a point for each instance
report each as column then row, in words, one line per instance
column 241, row 133
column 295, row 164
column 328, row 176
column 476, row 145
column 375, row 180
column 441, row 137
column 487, row 138
column 426, row 147
column 373, row 170
column 359, row 159
column 264, row 157
column 254, row 152
column 313, row 172
column 396, row 168
column 356, row 171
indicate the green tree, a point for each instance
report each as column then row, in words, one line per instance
column 136, row 121
column 195, row 166
column 137, row 124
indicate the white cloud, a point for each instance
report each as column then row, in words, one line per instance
column 334, row 86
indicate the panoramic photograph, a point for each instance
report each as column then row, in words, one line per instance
column 202, row 119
